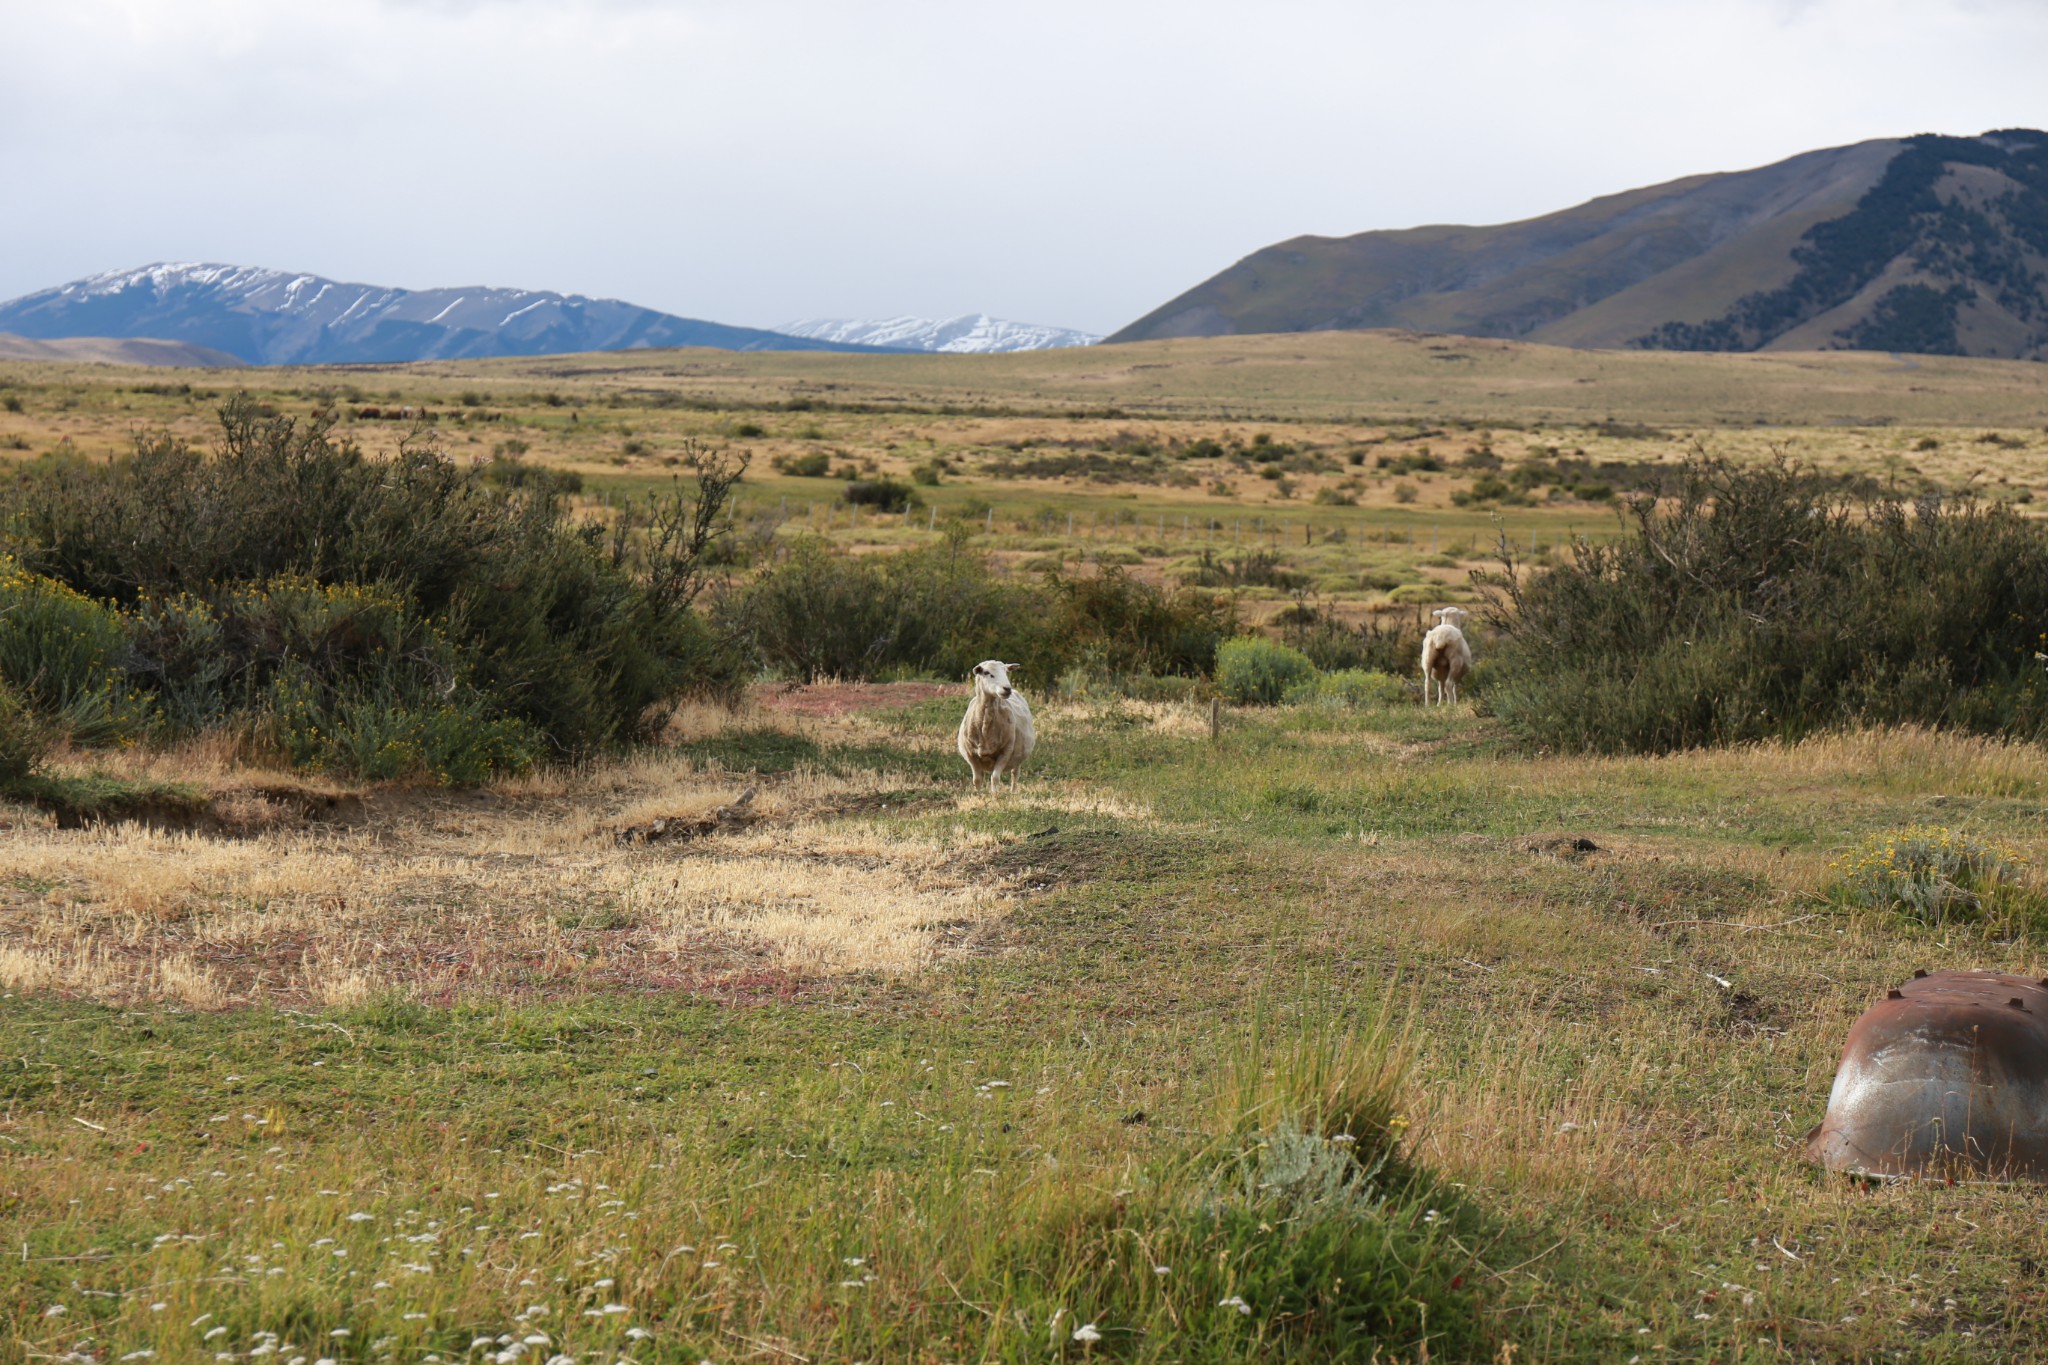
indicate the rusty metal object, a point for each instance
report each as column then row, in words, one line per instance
column 1946, row 1076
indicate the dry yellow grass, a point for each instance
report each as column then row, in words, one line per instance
column 523, row 889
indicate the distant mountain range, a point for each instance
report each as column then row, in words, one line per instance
column 968, row 333
column 274, row 317
column 1929, row 243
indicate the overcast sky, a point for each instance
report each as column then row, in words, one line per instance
column 756, row 161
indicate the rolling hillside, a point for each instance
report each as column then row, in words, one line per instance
column 274, row 317
column 116, row 351
column 1929, row 244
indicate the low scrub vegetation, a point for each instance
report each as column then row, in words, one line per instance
column 1929, row 874
column 1760, row 603
column 819, row 613
column 394, row 618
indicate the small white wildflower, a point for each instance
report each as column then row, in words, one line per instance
column 1343, row 1139
column 55, row 1310
column 144, row 1354
column 1162, row 1270
column 561, row 1360
column 1430, row 1216
column 612, row 1310
column 339, row 1332
column 638, row 1333
column 1238, row 1303
column 214, row 1332
column 361, row 1217
column 414, row 1317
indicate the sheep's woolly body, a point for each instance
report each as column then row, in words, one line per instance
column 1446, row 656
column 997, row 734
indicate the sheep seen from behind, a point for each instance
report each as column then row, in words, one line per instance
column 1446, row 656
column 996, row 734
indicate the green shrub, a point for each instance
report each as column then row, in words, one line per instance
column 380, row 733
column 943, row 608
column 812, row 464
column 62, row 654
column 1763, row 603
column 1258, row 672
column 1381, row 644
column 1355, row 688
column 926, row 475
column 884, row 495
column 1926, row 873
column 24, row 738
column 509, row 471
column 1123, row 625
column 292, row 553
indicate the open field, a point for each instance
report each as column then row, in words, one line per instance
column 1377, row 469
column 412, row 1075
column 772, row 1043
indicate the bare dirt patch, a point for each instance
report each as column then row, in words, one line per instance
column 827, row 700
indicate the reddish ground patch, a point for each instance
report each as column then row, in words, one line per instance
column 839, row 699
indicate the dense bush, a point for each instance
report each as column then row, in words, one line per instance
column 884, row 495
column 385, row 604
column 1759, row 604
column 812, row 464
column 1257, row 672
column 24, row 738
column 1381, row 644
column 943, row 608
column 61, row 654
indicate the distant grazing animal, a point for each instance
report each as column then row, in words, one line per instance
column 1446, row 658
column 996, row 734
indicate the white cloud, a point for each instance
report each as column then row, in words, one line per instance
column 1064, row 162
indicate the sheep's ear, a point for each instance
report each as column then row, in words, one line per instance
column 1013, row 667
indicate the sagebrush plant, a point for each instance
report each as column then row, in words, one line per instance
column 1927, row 872
column 1764, row 603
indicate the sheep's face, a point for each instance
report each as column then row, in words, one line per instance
column 992, row 676
column 1451, row 616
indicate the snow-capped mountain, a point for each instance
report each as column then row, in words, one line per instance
column 275, row 317
column 968, row 333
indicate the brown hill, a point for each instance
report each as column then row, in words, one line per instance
column 1928, row 243
column 117, row 351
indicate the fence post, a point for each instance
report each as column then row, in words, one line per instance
column 990, row 524
column 932, row 522
column 1215, row 718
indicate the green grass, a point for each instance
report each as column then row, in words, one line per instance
column 1578, row 1084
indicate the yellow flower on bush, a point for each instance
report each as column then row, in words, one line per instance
column 1926, row 871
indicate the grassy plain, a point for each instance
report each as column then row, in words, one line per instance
column 873, row 1069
